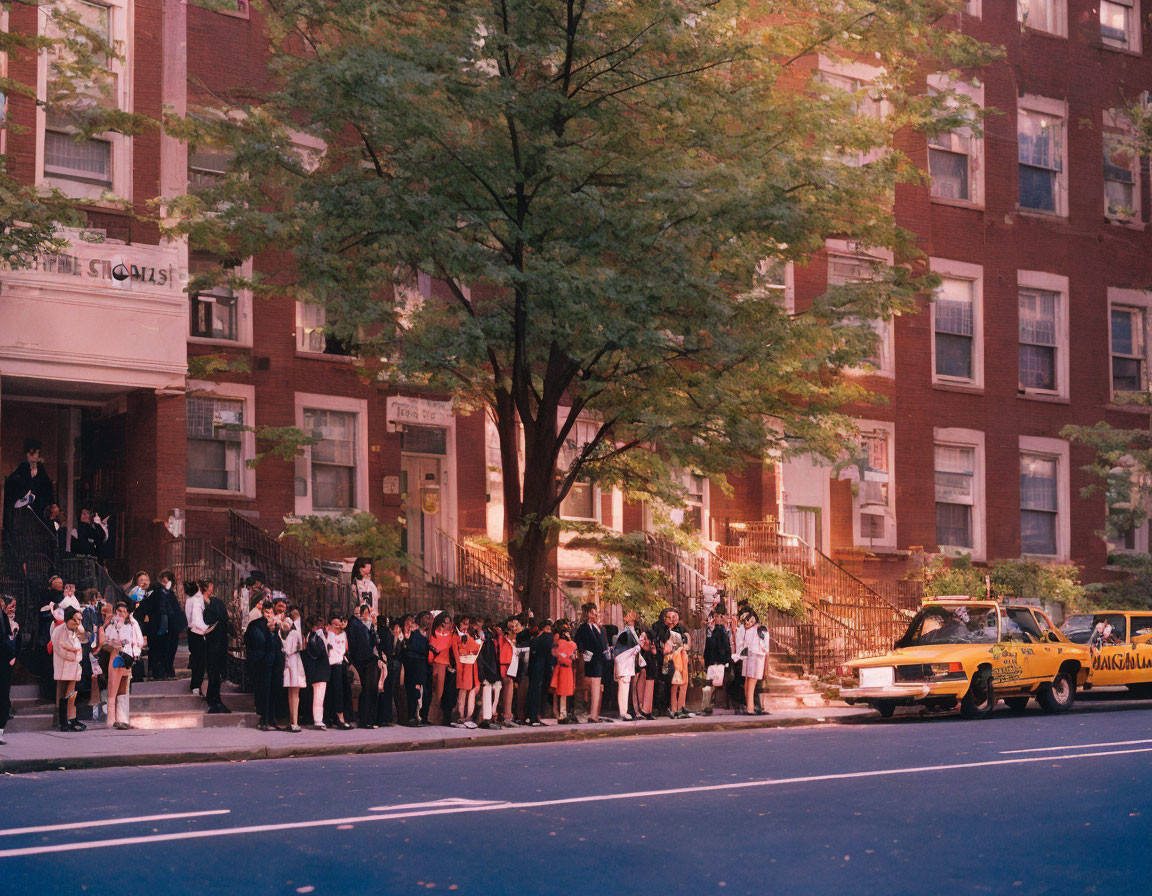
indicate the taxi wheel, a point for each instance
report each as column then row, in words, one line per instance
column 1017, row 704
column 886, row 709
column 980, row 700
column 1142, row 690
column 1058, row 696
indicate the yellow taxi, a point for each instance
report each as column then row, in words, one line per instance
column 1120, row 642
column 972, row 652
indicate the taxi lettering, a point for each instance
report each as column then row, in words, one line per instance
column 1121, row 663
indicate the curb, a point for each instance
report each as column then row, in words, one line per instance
column 550, row 735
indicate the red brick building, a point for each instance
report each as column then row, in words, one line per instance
column 1038, row 227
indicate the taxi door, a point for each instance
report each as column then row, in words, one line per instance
column 1110, row 657
column 1140, row 641
column 1048, row 652
column 1018, row 666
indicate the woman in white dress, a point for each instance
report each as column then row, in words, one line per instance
column 294, row 678
column 67, row 649
column 366, row 590
column 125, row 643
column 755, row 661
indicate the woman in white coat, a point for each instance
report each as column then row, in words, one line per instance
column 294, row 678
column 755, row 661
column 125, row 643
column 67, row 650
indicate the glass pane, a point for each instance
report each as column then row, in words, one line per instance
column 1038, row 317
column 954, row 356
column 954, row 525
column 1037, row 367
column 949, row 172
column 87, row 159
column 1119, row 199
column 1114, row 19
column 331, row 487
column 954, row 307
column 1037, row 532
column 1123, row 332
column 955, row 459
column 214, row 314
column 337, row 431
column 954, row 487
column 1038, row 483
column 425, row 440
column 213, row 464
column 1127, row 374
column 579, row 502
column 1038, row 140
column 1037, row 189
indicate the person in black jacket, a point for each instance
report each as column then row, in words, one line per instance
column 488, row 673
column 391, row 635
column 416, row 668
column 28, row 487
column 215, row 645
column 717, row 655
column 539, row 670
column 7, row 660
column 261, row 646
column 162, row 620
column 91, row 534
column 593, row 645
column 363, row 653
column 316, row 669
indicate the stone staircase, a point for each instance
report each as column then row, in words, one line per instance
column 154, row 705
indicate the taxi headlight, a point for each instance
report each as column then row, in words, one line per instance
column 947, row 671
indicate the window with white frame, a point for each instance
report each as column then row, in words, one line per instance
column 1130, row 539
column 956, row 158
column 1128, row 323
column 852, row 84
column 88, row 167
column 695, row 501
column 215, row 458
column 206, row 167
column 1043, row 329
column 973, row 8
column 333, row 458
column 774, row 277
column 213, row 311
column 955, row 495
column 1040, row 154
column 332, row 474
column 874, row 523
column 1121, row 169
column 1049, row 16
column 848, row 263
column 3, row 95
column 957, row 348
column 1120, row 24
column 219, row 436
column 313, row 335
column 580, row 502
column 1039, row 503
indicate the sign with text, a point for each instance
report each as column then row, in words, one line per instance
column 403, row 410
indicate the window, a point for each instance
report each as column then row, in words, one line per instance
column 206, row 167
column 1043, row 15
column 959, row 491
column 1038, row 343
column 1129, row 370
column 213, row 311
column 694, row 501
column 847, row 87
column 954, row 321
column 955, row 495
column 848, row 263
column 218, row 443
column 332, row 474
column 214, row 455
column 580, row 502
column 91, row 167
column 241, row 11
column 774, row 277
column 312, row 334
column 874, row 505
column 1044, row 498
column 333, row 458
column 1039, row 504
column 956, row 159
column 1121, row 169
column 1040, row 152
column 1120, row 24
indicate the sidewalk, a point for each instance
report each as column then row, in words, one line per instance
column 99, row 747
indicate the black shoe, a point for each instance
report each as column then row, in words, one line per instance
column 706, row 712
column 485, row 724
column 263, row 726
column 77, row 725
column 343, row 726
column 217, row 708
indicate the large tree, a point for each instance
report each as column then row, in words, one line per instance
column 593, row 186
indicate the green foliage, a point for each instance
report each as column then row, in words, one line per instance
column 213, row 363
column 1028, row 579
column 1133, row 592
column 1121, row 468
column 283, row 442
column 357, row 534
column 594, row 186
column 766, row 587
column 626, row 576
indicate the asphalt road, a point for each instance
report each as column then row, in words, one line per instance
column 1031, row 804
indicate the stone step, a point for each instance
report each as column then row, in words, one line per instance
column 46, row 721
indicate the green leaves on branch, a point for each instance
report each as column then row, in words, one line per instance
column 765, row 586
column 214, row 363
column 1024, row 579
column 282, row 442
column 1121, row 468
column 353, row 535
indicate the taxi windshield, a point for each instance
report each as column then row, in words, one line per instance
column 952, row 624
column 1078, row 628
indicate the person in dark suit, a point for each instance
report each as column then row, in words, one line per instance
column 539, row 670
column 7, row 660
column 593, row 645
column 217, row 630
column 28, row 486
column 91, row 534
column 317, row 672
column 363, row 653
column 391, row 635
column 415, row 661
column 717, row 655
column 261, row 646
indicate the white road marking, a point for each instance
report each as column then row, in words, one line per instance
column 1115, row 743
column 435, row 804
column 535, row 804
column 12, row 832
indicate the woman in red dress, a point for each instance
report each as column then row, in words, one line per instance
column 563, row 677
column 467, row 650
column 439, row 655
